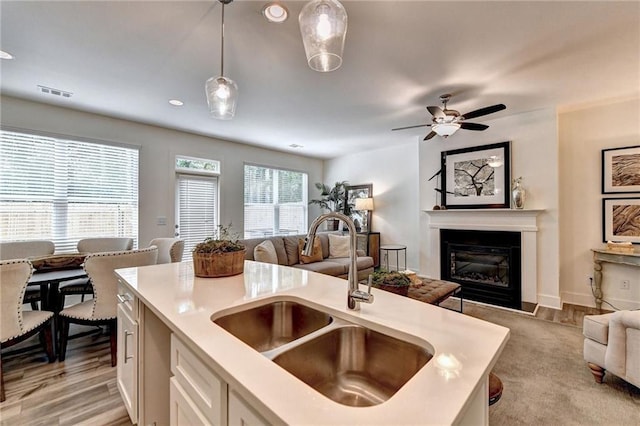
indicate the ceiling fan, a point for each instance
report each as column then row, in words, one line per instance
column 447, row 121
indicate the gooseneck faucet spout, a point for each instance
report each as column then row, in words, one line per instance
column 354, row 295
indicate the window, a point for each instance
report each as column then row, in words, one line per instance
column 197, row 200
column 65, row 190
column 275, row 202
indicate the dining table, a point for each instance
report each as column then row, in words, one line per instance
column 49, row 282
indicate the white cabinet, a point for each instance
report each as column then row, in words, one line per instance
column 241, row 414
column 199, row 396
column 203, row 387
column 183, row 411
column 127, row 375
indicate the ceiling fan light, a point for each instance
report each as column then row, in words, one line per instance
column 445, row 129
column 222, row 97
column 323, row 25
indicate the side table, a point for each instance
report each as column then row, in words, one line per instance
column 397, row 248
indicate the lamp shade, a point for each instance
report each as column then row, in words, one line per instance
column 222, row 97
column 364, row 204
column 323, row 25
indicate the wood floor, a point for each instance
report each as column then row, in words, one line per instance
column 82, row 389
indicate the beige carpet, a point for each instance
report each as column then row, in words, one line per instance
column 546, row 381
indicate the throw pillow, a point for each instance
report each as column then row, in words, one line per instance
column 338, row 245
column 265, row 252
column 316, row 254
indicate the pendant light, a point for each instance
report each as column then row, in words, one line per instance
column 323, row 24
column 222, row 92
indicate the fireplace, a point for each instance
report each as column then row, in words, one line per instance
column 487, row 264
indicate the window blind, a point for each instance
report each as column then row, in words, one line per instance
column 197, row 209
column 66, row 190
column 275, row 202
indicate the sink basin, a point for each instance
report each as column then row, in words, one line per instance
column 354, row 365
column 269, row 326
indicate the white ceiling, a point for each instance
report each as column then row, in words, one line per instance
column 126, row 59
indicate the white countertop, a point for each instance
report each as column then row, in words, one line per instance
column 435, row 395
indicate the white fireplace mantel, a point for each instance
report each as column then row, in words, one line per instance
column 524, row 221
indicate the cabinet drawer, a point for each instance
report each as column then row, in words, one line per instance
column 127, row 300
column 183, row 411
column 207, row 391
column 240, row 413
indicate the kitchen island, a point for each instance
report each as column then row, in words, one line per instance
column 168, row 344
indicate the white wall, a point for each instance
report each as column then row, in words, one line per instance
column 393, row 172
column 158, row 147
column 534, row 156
column 583, row 135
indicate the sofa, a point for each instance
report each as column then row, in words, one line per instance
column 612, row 343
column 287, row 251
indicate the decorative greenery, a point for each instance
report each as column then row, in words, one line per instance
column 333, row 198
column 222, row 241
column 390, row 278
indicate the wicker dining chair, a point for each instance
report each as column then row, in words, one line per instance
column 101, row 310
column 18, row 324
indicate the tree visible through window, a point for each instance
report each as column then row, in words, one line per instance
column 275, row 202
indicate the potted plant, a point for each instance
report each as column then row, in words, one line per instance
column 393, row 281
column 221, row 255
column 333, row 199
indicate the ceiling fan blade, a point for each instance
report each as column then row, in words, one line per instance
column 473, row 126
column 429, row 136
column 437, row 112
column 412, row 127
column 483, row 111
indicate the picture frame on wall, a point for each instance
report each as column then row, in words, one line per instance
column 477, row 178
column 621, row 170
column 359, row 217
column 621, row 220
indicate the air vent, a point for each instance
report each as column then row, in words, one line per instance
column 54, row 92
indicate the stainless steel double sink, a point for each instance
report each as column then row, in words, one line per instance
column 346, row 362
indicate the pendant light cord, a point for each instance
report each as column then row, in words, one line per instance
column 222, row 44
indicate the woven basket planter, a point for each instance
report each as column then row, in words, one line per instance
column 215, row 265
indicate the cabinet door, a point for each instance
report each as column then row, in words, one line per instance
column 127, row 375
column 183, row 411
column 240, row 413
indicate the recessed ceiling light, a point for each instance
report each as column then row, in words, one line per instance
column 176, row 102
column 275, row 12
column 5, row 55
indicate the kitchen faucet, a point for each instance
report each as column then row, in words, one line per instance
column 354, row 295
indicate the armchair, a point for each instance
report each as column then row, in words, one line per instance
column 612, row 342
column 169, row 249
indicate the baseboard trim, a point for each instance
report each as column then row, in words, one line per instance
column 554, row 302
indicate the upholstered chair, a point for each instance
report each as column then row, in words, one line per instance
column 101, row 310
column 170, row 250
column 82, row 286
column 17, row 324
column 25, row 250
column 612, row 343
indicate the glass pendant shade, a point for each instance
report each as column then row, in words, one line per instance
column 222, row 97
column 446, row 129
column 323, row 24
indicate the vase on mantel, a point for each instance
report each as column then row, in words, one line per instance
column 518, row 194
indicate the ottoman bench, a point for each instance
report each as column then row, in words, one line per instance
column 434, row 291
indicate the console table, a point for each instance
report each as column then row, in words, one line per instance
column 600, row 256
